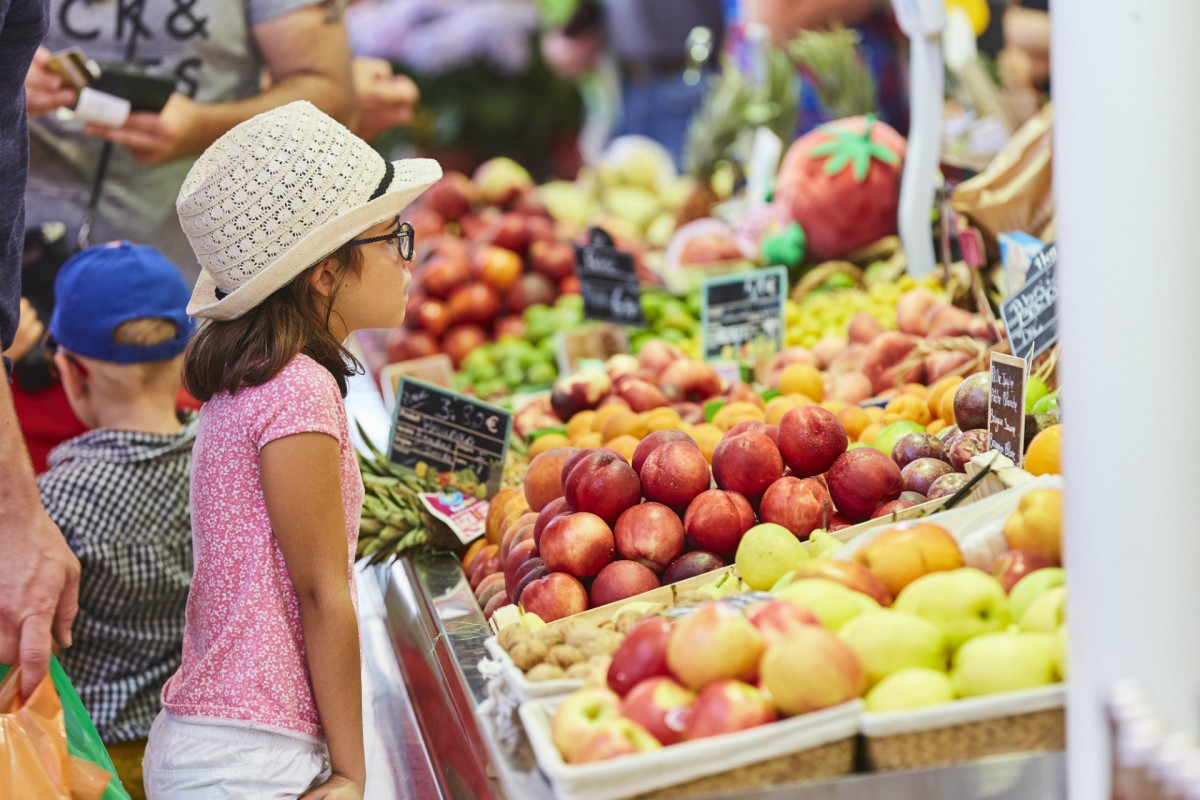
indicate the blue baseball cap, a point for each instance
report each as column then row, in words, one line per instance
column 104, row 286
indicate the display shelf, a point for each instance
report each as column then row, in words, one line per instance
column 437, row 634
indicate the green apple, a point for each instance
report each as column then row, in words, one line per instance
column 822, row 544
column 1061, row 652
column 962, row 602
column 913, row 687
column 1047, row 613
column 893, row 433
column 1032, row 586
column 766, row 553
column 1035, row 390
column 1047, row 404
column 833, row 603
column 1004, row 662
column 887, row 641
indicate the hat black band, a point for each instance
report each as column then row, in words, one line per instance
column 220, row 295
column 389, row 172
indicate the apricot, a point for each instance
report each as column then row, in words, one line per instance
column 802, row 379
column 623, row 423
column 778, row 406
column 606, row 412
column 907, row 407
column 854, row 419
column 937, row 390
column 870, row 432
column 548, row 441
column 707, row 437
column 733, row 413
column 581, row 423
column 625, row 445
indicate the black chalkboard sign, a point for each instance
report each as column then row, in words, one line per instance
column 741, row 316
column 1031, row 313
column 449, row 432
column 1006, row 406
column 608, row 281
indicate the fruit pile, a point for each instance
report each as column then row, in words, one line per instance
column 826, row 314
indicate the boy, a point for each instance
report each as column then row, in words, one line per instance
column 120, row 491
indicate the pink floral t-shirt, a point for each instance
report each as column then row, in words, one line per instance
column 243, row 645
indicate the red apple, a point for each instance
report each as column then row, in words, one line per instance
column 555, row 508
column 810, row 438
column 618, row 737
column 890, row 507
column 579, row 544
column 1016, row 564
column 555, row 596
column 642, row 655
column 728, row 706
column 717, row 519
column 510, row 231
column 497, row 267
column 689, row 565
column 653, row 441
column 621, row 579
column 461, row 340
column 661, row 706
column 432, row 316
column 531, row 289
column 778, row 618
column 674, row 474
column 713, row 643
column 747, row 463
column 861, row 479
column 451, row 196
column 800, row 505
column 579, row 716
column 650, row 534
column 554, row 259
column 604, row 485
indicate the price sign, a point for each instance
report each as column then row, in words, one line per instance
column 608, row 282
column 741, row 316
column 1006, row 406
column 448, row 432
column 1031, row 313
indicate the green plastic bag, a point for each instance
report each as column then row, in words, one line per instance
column 82, row 739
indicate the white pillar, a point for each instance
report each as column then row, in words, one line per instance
column 1127, row 180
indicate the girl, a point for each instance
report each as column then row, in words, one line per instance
column 294, row 221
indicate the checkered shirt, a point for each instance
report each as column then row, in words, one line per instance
column 121, row 500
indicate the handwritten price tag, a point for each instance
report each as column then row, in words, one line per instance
column 608, row 282
column 1006, row 408
column 741, row 316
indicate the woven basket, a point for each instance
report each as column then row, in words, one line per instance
column 832, row 760
column 1035, row 731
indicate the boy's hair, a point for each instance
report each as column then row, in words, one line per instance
column 228, row 355
column 142, row 332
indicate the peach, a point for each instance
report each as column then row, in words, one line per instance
column 852, row 387
column 849, row 360
column 674, row 474
column 555, row 596
column 755, row 426
column 532, row 570
column 912, row 311
column 863, row 328
column 579, row 392
column 742, row 392
column 621, row 579
column 713, row 643
column 717, row 519
column 747, row 463
column 543, row 477
column 810, row 438
column 650, row 534
column 826, row 350
column 737, row 411
column 690, row 380
column 518, row 555
column 581, row 455
column 848, row 573
column 656, row 355
column 641, row 394
column 654, row 441
column 604, row 485
column 800, row 505
column 519, row 532
column 579, row 544
column 884, row 355
column 948, row 320
column 689, row 412
column 555, row 508
column 778, row 406
column 707, row 437
column 861, row 479
column 942, row 365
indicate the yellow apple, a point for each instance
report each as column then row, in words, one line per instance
column 901, row 555
column 964, row 603
column 912, row 687
column 1047, row 613
column 811, row 669
column 888, row 641
column 833, row 603
column 1004, row 662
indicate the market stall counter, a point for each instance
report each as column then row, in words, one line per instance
column 477, row 750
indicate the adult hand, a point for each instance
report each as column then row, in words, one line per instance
column 156, row 138
column 385, row 101
column 336, row 788
column 39, row 591
column 29, row 332
column 44, row 91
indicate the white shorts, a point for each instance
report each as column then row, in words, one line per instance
column 188, row 760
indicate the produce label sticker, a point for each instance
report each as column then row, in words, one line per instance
column 1031, row 313
column 741, row 316
column 464, row 440
column 464, row 513
column 595, row 343
column 1006, row 406
column 608, row 282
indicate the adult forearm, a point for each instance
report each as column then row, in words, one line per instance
column 326, row 92
column 18, row 491
column 332, row 645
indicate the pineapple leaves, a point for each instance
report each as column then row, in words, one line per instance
column 857, row 149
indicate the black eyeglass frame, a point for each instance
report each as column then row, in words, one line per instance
column 403, row 234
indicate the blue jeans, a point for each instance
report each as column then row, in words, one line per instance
column 660, row 109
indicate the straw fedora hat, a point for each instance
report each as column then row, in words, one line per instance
column 277, row 194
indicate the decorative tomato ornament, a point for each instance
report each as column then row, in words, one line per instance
column 841, row 182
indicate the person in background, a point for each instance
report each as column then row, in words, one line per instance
column 39, row 585
column 648, row 41
column 119, row 492
column 296, row 224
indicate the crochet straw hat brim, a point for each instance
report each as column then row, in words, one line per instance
column 278, row 193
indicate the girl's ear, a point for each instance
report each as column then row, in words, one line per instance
column 323, row 279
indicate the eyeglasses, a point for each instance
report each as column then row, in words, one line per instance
column 404, row 235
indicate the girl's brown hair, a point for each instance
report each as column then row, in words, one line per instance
column 228, row 355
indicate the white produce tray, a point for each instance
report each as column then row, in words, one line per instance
column 628, row 776
column 523, row 688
